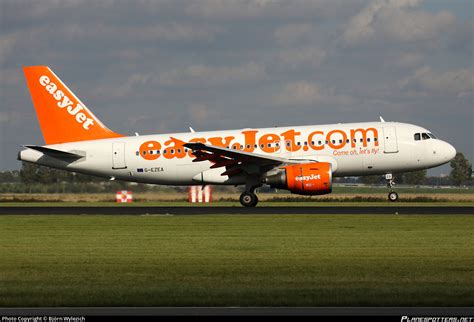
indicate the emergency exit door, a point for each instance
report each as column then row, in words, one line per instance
column 390, row 139
column 118, row 156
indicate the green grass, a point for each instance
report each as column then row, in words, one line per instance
column 285, row 260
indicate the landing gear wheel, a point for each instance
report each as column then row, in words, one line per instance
column 393, row 196
column 248, row 199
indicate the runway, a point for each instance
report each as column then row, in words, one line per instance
column 199, row 210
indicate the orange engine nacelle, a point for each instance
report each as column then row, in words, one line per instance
column 304, row 179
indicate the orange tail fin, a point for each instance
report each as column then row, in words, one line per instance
column 62, row 116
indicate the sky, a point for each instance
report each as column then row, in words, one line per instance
column 162, row 66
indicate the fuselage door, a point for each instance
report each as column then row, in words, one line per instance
column 118, row 155
column 390, row 139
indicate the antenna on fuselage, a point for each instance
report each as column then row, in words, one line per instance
column 192, row 130
column 381, row 119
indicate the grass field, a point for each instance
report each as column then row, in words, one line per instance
column 297, row 260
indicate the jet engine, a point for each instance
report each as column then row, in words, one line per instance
column 303, row 179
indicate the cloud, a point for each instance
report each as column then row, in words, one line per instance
column 7, row 44
column 406, row 26
column 201, row 114
column 151, row 32
column 404, row 59
column 258, row 63
column 39, row 38
column 292, row 33
column 259, row 9
column 461, row 39
column 10, row 77
column 301, row 58
column 4, row 117
column 306, row 94
column 393, row 20
column 458, row 82
column 203, row 75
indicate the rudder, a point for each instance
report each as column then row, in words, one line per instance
column 62, row 116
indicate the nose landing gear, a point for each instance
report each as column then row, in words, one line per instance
column 392, row 195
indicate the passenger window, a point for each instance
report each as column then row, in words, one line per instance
column 417, row 137
column 425, row 136
column 368, row 139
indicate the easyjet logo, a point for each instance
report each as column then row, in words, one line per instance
column 64, row 102
column 290, row 140
column 308, row 178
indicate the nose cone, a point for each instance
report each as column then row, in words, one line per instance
column 449, row 152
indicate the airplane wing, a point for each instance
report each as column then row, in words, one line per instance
column 235, row 161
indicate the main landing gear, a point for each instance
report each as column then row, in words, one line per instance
column 392, row 195
column 248, row 198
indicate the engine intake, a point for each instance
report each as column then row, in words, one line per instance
column 304, row 179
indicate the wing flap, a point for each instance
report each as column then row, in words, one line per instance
column 230, row 154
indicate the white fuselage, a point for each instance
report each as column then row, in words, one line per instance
column 353, row 149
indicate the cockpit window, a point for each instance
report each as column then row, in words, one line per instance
column 431, row 135
column 417, row 137
column 425, row 136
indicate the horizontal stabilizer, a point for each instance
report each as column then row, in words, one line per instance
column 58, row 154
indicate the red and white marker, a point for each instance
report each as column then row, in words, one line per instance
column 200, row 194
column 123, row 196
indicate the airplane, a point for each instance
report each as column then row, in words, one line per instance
column 301, row 159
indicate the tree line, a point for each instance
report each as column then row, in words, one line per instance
column 32, row 178
column 461, row 174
